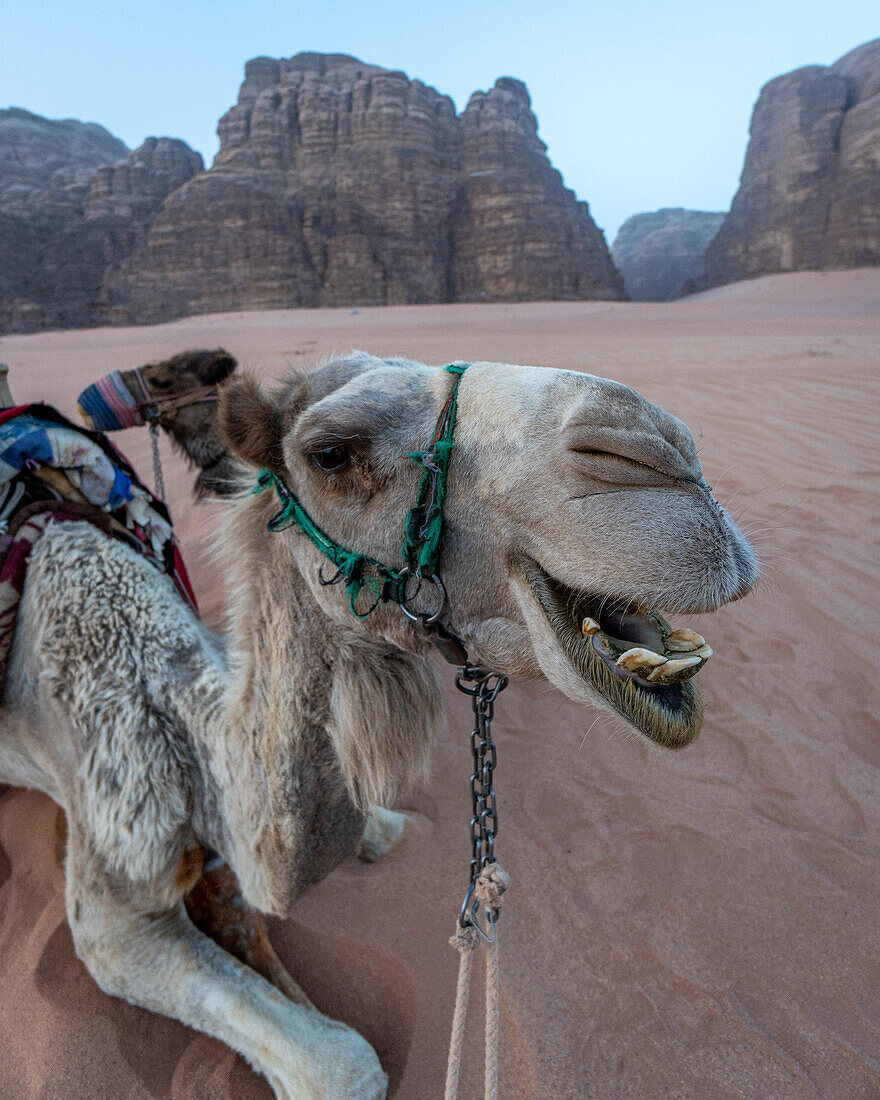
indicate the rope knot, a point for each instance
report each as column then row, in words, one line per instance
column 465, row 938
column 491, row 883
column 488, row 888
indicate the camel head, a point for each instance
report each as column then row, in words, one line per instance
column 192, row 425
column 577, row 520
column 180, row 393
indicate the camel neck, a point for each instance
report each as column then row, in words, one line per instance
column 286, row 815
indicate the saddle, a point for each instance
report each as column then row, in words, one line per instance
column 54, row 471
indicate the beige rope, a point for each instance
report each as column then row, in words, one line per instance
column 490, row 885
column 466, row 941
column 490, row 1076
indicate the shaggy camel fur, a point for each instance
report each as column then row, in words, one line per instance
column 181, row 393
column 571, row 499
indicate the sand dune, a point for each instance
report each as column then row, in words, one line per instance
column 693, row 925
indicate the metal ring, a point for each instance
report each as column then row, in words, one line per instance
column 470, row 907
column 422, row 617
column 463, row 917
column 335, row 579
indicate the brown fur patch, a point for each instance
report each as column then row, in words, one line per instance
column 251, row 423
column 187, row 370
column 216, row 907
column 189, row 867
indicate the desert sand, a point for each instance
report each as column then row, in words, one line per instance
column 701, row 924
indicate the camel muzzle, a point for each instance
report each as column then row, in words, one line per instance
column 636, row 662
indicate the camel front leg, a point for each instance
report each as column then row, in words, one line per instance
column 216, row 907
column 383, row 830
column 160, row 961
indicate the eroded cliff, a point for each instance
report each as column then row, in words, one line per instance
column 336, row 183
column 809, row 194
column 660, row 253
column 45, row 168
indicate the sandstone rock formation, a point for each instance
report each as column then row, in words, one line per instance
column 122, row 201
column 45, row 166
column 809, row 194
column 517, row 232
column 74, row 203
column 658, row 253
column 341, row 183
column 336, row 183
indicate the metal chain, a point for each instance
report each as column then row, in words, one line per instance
column 158, row 479
column 483, row 688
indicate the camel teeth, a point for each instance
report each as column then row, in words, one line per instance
column 600, row 644
column 705, row 651
column 684, row 641
column 589, row 627
column 638, row 657
column 671, row 669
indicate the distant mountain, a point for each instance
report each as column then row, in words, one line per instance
column 658, row 253
column 337, row 183
column 809, row 194
column 45, row 167
column 54, row 156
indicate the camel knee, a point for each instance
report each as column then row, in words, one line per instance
column 106, row 964
column 119, row 948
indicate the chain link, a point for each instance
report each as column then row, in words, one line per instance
column 158, row 479
column 483, row 688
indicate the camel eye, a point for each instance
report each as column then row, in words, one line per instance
column 331, row 459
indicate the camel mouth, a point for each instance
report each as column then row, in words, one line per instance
column 630, row 655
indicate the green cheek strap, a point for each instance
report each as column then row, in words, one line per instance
column 422, row 528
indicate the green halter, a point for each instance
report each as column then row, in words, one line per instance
column 422, row 528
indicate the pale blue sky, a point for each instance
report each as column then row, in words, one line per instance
column 642, row 104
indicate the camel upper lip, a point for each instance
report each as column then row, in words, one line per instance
column 597, row 631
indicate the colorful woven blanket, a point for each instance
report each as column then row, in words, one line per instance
column 52, row 471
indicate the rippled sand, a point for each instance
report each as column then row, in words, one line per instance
column 693, row 925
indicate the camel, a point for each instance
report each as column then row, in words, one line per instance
column 576, row 510
column 179, row 395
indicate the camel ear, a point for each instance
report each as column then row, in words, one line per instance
column 215, row 367
column 251, row 424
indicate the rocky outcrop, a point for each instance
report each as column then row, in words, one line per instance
column 809, row 194
column 135, row 187
column 341, row 183
column 74, row 204
column 336, row 183
column 330, row 187
column 45, row 168
column 123, row 201
column 517, row 232
column 659, row 253
column 853, row 235
column 50, row 159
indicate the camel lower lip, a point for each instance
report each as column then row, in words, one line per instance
column 668, row 714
